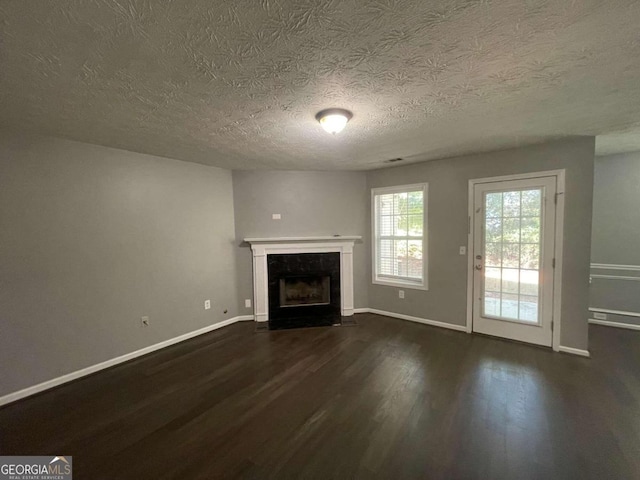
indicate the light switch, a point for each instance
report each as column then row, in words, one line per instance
column 463, row 250
column 276, row 216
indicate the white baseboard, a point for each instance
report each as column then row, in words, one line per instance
column 574, row 351
column 401, row 316
column 606, row 323
column 459, row 328
column 26, row 392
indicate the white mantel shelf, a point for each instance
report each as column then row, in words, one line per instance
column 335, row 238
column 262, row 247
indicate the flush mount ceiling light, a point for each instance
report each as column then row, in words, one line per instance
column 333, row 120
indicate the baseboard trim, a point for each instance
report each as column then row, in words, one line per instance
column 425, row 321
column 41, row 387
column 458, row 328
column 606, row 323
column 574, row 351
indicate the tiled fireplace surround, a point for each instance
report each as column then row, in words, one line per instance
column 263, row 247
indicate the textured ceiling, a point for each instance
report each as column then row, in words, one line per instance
column 236, row 83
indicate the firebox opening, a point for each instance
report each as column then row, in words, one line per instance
column 307, row 290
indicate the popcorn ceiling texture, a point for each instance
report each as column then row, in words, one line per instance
column 236, row 83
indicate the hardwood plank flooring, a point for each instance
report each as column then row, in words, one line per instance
column 385, row 399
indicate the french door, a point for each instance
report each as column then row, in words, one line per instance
column 513, row 245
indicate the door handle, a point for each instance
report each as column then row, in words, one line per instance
column 478, row 267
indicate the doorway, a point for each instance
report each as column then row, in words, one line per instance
column 515, row 240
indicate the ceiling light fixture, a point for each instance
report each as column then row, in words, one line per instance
column 333, row 120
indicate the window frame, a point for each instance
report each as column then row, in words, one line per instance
column 394, row 281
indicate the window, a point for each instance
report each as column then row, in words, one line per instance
column 399, row 225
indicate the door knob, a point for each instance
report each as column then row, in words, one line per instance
column 478, row 267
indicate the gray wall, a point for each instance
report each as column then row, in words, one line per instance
column 311, row 203
column 92, row 238
column 448, row 212
column 616, row 233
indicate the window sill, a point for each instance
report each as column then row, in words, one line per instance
column 399, row 284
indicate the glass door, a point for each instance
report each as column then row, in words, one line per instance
column 513, row 260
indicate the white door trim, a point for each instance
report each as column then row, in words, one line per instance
column 557, row 251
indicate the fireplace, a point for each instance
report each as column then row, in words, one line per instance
column 301, row 290
column 304, row 289
column 341, row 280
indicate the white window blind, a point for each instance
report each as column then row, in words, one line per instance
column 399, row 230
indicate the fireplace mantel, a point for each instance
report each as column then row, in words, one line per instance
column 339, row 238
column 261, row 247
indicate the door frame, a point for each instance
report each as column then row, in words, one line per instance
column 557, row 250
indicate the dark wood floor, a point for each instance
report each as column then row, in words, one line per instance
column 385, row 399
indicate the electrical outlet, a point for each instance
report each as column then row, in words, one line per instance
column 207, row 304
column 400, row 293
column 463, row 250
column 276, row 216
column 144, row 321
column 599, row 316
column 247, row 303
